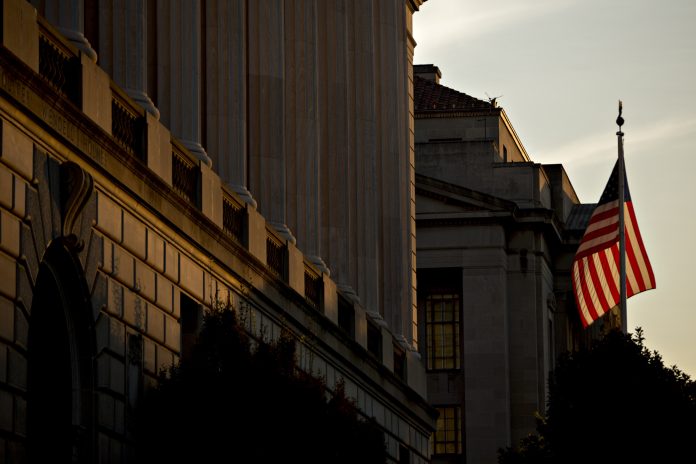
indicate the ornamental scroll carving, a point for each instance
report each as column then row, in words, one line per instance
column 76, row 188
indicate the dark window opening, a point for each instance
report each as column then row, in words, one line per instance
column 191, row 321
column 346, row 316
column 404, row 455
column 374, row 340
column 400, row 363
column 552, row 347
column 60, row 418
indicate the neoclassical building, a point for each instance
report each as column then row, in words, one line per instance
column 158, row 157
column 497, row 234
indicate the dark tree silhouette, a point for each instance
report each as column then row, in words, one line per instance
column 230, row 402
column 616, row 402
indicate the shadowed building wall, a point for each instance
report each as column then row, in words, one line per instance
column 194, row 153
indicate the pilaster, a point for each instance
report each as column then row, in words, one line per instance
column 159, row 148
column 334, row 165
column 211, row 195
column 20, row 31
column 367, row 185
column 96, row 93
column 226, row 97
column 179, row 72
column 123, row 48
column 266, row 109
column 301, row 128
column 256, row 233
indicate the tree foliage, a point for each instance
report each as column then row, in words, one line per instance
column 238, row 400
column 616, row 402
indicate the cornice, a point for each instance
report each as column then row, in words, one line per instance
column 415, row 4
column 516, row 138
column 455, row 113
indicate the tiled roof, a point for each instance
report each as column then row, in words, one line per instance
column 579, row 216
column 430, row 96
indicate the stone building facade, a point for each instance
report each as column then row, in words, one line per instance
column 496, row 237
column 160, row 157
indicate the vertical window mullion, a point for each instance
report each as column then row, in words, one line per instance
column 442, row 331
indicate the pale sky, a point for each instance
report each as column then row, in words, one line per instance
column 561, row 66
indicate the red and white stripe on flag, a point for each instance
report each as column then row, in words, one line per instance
column 595, row 269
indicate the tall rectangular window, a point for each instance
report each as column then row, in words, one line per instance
column 442, row 330
column 191, row 321
column 439, row 299
column 374, row 340
column 346, row 316
column 448, row 436
column 400, row 362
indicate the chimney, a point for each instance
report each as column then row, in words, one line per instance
column 427, row 71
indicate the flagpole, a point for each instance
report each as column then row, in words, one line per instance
column 622, row 228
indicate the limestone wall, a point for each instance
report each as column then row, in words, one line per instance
column 90, row 175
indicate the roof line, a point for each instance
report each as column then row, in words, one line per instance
column 516, row 137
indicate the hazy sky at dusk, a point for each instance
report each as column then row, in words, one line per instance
column 561, row 66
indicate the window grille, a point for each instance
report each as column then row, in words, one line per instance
column 232, row 218
column 184, row 176
column 313, row 287
column 275, row 255
column 447, row 438
column 127, row 126
column 59, row 65
column 442, row 326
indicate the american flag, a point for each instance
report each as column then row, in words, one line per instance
column 596, row 264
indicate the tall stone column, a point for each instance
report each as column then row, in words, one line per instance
column 366, row 174
column 336, row 169
column 226, row 96
column 411, row 318
column 69, row 17
column 266, row 110
column 354, row 85
column 123, row 47
column 179, row 93
column 302, row 127
column 393, row 167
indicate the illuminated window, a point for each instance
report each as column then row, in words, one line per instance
column 448, row 438
column 440, row 313
column 442, row 330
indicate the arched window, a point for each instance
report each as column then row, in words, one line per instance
column 60, row 390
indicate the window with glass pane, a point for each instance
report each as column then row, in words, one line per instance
column 448, row 438
column 442, row 330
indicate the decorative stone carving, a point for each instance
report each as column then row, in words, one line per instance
column 76, row 187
